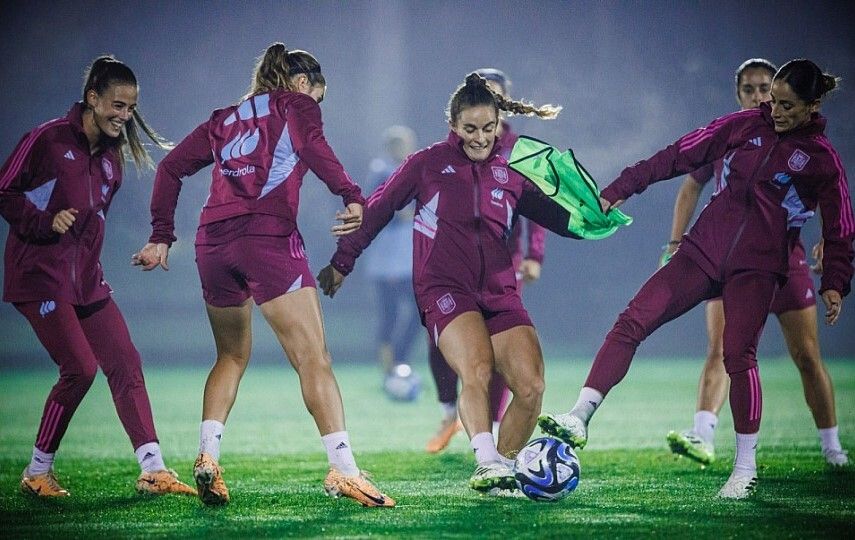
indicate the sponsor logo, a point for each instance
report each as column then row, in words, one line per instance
column 446, row 304
column 107, row 167
column 448, row 170
column 808, row 294
column 105, row 189
column 757, row 141
column 500, row 174
column 781, row 179
column 241, row 145
column 243, row 171
column 46, row 308
column 497, row 195
column 69, row 155
column 798, row 160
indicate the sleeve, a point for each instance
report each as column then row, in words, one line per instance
column 541, row 210
column 703, row 175
column 838, row 231
column 27, row 217
column 189, row 157
column 536, row 242
column 391, row 196
column 305, row 128
column 686, row 154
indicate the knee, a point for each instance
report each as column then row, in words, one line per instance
column 628, row 329
column 82, row 375
column 233, row 360
column 312, row 358
column 807, row 360
column 530, row 388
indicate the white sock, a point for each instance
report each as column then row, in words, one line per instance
column 508, row 461
column 485, row 448
column 589, row 400
column 705, row 423
column 829, row 439
column 150, row 458
column 210, row 436
column 339, row 453
column 449, row 410
column 40, row 463
column 746, row 453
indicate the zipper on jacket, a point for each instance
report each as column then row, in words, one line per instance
column 749, row 192
column 476, row 186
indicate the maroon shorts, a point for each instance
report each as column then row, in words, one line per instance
column 438, row 307
column 264, row 267
column 796, row 294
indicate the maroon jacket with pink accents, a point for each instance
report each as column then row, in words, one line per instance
column 771, row 184
column 50, row 170
column 465, row 211
column 262, row 147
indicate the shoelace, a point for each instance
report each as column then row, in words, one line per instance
column 52, row 482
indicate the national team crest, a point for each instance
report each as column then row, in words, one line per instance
column 108, row 168
column 500, row 174
column 798, row 160
column 446, row 303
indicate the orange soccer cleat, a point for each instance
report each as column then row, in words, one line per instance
column 358, row 488
column 162, row 483
column 209, row 481
column 42, row 485
column 447, row 429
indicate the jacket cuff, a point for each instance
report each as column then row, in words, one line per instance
column 343, row 263
column 354, row 198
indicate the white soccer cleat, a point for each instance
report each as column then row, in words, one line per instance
column 493, row 478
column 836, row 458
column 567, row 427
column 740, row 485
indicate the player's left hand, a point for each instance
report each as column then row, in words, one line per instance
column 816, row 253
column 530, row 270
column 330, row 280
column 151, row 256
column 351, row 220
column 833, row 304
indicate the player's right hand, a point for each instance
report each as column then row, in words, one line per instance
column 330, row 280
column 151, row 256
column 63, row 220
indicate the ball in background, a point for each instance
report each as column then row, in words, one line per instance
column 547, row 469
column 402, row 383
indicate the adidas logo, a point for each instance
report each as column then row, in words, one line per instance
column 219, row 437
column 148, row 455
column 757, row 141
column 448, row 170
column 808, row 294
column 69, row 155
column 341, row 446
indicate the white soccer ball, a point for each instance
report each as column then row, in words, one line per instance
column 547, row 469
column 402, row 384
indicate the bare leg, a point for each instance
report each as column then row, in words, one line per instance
column 465, row 344
column 232, row 327
column 296, row 319
column 800, row 333
column 520, row 361
column 714, row 383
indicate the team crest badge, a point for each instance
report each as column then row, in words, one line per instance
column 500, row 174
column 108, row 168
column 446, row 304
column 798, row 160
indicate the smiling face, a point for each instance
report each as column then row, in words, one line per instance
column 111, row 110
column 754, row 87
column 788, row 110
column 477, row 127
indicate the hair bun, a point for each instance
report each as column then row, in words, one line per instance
column 473, row 79
column 829, row 82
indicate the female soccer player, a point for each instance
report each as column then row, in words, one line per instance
column 55, row 191
column 794, row 306
column 466, row 202
column 781, row 167
column 527, row 261
column 248, row 244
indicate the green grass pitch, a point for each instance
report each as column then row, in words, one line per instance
column 274, row 463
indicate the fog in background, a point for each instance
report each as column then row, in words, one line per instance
column 632, row 77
